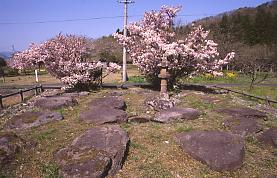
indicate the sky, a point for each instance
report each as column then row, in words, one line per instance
column 23, row 22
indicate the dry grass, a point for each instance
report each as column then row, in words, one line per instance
column 29, row 80
column 117, row 78
column 150, row 154
column 48, row 79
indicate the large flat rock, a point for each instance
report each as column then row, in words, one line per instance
column 219, row 150
column 243, row 120
column 55, row 102
column 31, row 119
column 10, row 145
column 98, row 152
column 108, row 102
column 243, row 126
column 77, row 162
column 176, row 114
column 102, row 115
column 237, row 112
column 269, row 137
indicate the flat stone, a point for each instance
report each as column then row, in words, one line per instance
column 116, row 93
column 98, row 152
column 176, row 114
column 82, row 162
column 242, row 112
column 51, row 93
column 160, row 103
column 269, row 137
column 55, row 102
column 243, row 126
column 219, row 150
column 108, row 102
column 31, row 119
column 140, row 119
column 83, row 93
column 102, row 115
column 76, row 94
column 10, row 145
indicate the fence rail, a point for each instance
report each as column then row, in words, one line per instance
column 266, row 99
column 21, row 92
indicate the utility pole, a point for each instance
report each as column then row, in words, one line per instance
column 124, row 72
column 13, row 49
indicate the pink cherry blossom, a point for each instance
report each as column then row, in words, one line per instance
column 153, row 40
column 63, row 57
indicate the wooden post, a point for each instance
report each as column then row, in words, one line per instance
column 41, row 88
column 101, row 78
column 36, row 90
column 267, row 101
column 1, row 102
column 21, row 95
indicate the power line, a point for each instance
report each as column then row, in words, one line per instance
column 57, row 21
column 90, row 19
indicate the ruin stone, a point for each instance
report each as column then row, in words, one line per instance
column 98, row 152
column 10, row 145
column 176, row 114
column 109, row 102
column 31, row 119
column 55, row 102
column 219, row 150
column 242, row 112
column 102, row 115
column 243, row 126
column 269, row 137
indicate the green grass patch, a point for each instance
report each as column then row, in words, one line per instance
column 50, row 170
column 137, row 79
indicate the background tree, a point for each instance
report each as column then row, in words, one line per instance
column 3, row 64
column 64, row 57
column 255, row 61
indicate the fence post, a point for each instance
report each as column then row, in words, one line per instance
column 36, row 90
column 267, row 101
column 101, row 78
column 41, row 88
column 1, row 102
column 21, row 95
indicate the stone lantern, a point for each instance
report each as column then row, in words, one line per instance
column 164, row 76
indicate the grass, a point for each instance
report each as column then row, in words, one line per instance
column 29, row 80
column 153, row 151
column 236, row 79
column 50, row 170
column 137, row 79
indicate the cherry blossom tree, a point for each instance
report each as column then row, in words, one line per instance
column 64, row 58
column 152, row 41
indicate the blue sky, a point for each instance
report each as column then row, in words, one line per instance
column 17, row 17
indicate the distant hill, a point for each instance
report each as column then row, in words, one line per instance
column 106, row 49
column 5, row 54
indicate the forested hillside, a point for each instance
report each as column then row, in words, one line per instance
column 250, row 32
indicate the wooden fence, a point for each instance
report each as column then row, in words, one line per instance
column 266, row 99
column 38, row 89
